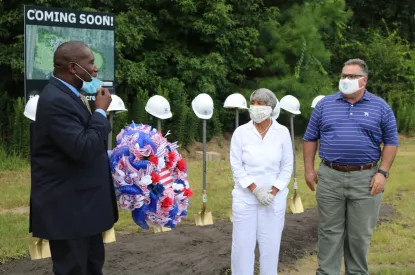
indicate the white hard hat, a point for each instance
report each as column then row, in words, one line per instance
column 30, row 108
column 235, row 101
column 116, row 104
column 276, row 112
column 159, row 107
column 290, row 104
column 316, row 100
column 202, row 105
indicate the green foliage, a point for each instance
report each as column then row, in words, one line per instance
column 11, row 162
column 296, row 56
column 370, row 13
column 187, row 124
column 391, row 62
column 183, row 124
column 6, row 105
column 393, row 74
column 137, row 107
column 120, row 121
column 405, row 116
column 20, row 142
column 181, row 48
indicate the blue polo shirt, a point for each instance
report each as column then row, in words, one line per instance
column 351, row 134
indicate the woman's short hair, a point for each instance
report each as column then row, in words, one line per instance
column 265, row 95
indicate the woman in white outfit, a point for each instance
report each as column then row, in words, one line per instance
column 262, row 161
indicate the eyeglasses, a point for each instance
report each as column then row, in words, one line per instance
column 351, row 76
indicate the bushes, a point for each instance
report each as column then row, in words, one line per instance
column 179, row 49
column 20, row 141
column 15, row 131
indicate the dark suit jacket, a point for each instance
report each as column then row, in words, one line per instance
column 72, row 195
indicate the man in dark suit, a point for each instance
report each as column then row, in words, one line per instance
column 72, row 195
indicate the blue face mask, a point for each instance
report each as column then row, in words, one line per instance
column 92, row 86
column 89, row 87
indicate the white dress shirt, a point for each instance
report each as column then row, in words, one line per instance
column 266, row 162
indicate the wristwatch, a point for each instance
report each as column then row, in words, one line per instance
column 386, row 174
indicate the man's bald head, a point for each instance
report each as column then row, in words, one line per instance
column 73, row 62
column 71, row 51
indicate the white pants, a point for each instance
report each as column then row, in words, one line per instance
column 252, row 222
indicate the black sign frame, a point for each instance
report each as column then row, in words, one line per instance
column 64, row 18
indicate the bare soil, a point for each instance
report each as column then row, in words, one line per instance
column 190, row 250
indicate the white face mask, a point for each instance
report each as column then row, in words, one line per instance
column 349, row 86
column 259, row 113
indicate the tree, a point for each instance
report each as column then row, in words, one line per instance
column 369, row 13
column 295, row 53
column 21, row 138
column 181, row 48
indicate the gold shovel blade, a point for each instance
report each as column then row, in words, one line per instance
column 109, row 236
column 296, row 206
column 45, row 249
column 161, row 229
column 230, row 215
column 35, row 249
column 203, row 218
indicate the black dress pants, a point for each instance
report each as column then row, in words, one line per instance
column 84, row 256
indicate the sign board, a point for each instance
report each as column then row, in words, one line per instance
column 47, row 28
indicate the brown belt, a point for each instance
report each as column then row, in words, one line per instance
column 346, row 168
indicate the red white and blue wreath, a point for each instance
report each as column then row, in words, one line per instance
column 150, row 177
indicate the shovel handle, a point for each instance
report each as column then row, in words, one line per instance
column 204, row 155
column 293, row 143
column 204, row 200
column 111, row 119
column 295, row 184
column 159, row 125
column 203, row 208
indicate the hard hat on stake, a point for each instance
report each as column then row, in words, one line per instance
column 30, row 108
column 116, row 105
column 159, row 107
column 202, row 106
column 290, row 104
column 316, row 100
column 235, row 101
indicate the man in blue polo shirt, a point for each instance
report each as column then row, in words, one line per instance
column 351, row 125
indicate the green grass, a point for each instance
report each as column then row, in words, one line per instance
column 12, row 163
column 14, row 236
column 219, row 184
column 14, row 189
column 392, row 249
column 393, row 243
column 14, row 181
column 393, row 270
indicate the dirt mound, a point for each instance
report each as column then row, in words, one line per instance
column 189, row 249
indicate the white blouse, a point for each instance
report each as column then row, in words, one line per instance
column 266, row 162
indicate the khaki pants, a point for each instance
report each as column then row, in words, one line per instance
column 347, row 215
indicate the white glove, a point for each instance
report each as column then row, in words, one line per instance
column 263, row 196
column 270, row 198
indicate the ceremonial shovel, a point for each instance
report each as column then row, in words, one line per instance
column 204, row 217
column 296, row 206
